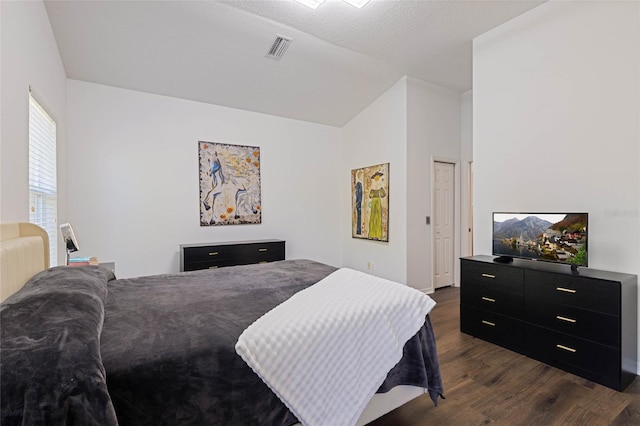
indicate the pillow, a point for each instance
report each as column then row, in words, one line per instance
column 51, row 368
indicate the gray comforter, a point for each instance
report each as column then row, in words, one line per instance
column 167, row 349
column 50, row 365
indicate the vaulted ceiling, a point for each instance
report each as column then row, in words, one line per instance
column 339, row 61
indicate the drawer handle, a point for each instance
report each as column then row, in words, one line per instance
column 492, row 324
column 488, row 276
column 566, row 290
column 565, row 319
column 488, row 299
column 566, row 348
column 213, row 253
column 262, row 249
column 213, row 267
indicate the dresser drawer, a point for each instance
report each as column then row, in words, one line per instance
column 209, row 253
column 585, row 293
column 568, row 351
column 264, row 252
column 496, row 328
column 502, row 278
column 594, row 326
column 213, row 264
column 485, row 296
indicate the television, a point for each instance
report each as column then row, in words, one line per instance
column 550, row 237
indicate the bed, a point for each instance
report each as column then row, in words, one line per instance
column 82, row 347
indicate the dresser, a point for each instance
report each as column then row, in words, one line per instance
column 585, row 323
column 216, row 255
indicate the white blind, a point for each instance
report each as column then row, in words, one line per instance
column 43, row 193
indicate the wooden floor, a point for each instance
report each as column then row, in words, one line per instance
column 484, row 384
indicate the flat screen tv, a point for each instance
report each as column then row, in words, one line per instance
column 551, row 237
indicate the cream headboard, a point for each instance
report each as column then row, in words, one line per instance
column 24, row 253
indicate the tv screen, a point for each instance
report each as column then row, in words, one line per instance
column 552, row 237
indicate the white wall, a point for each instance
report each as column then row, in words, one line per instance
column 556, row 123
column 133, row 178
column 29, row 57
column 409, row 126
column 378, row 135
column 433, row 123
column 556, row 104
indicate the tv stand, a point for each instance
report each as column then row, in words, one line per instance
column 503, row 259
column 584, row 324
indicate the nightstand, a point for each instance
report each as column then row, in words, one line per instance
column 108, row 265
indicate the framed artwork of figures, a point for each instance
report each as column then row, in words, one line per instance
column 229, row 184
column 370, row 202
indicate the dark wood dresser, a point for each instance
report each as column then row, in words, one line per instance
column 585, row 323
column 215, row 255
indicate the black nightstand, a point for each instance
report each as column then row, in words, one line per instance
column 108, row 265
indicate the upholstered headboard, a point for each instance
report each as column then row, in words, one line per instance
column 24, row 252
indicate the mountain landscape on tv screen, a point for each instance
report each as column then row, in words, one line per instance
column 529, row 228
column 537, row 238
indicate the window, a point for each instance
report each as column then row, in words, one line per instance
column 43, row 197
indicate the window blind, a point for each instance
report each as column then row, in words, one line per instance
column 43, row 193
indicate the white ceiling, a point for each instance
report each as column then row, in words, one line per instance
column 340, row 60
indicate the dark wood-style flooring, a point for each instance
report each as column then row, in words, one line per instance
column 486, row 384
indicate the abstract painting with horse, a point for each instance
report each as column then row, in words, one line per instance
column 229, row 184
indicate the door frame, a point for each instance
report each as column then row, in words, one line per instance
column 469, row 226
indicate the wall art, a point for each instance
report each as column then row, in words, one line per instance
column 370, row 202
column 229, row 184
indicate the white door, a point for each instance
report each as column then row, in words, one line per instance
column 443, row 218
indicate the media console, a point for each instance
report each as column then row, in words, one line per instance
column 585, row 323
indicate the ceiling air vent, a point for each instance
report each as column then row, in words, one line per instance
column 279, row 46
